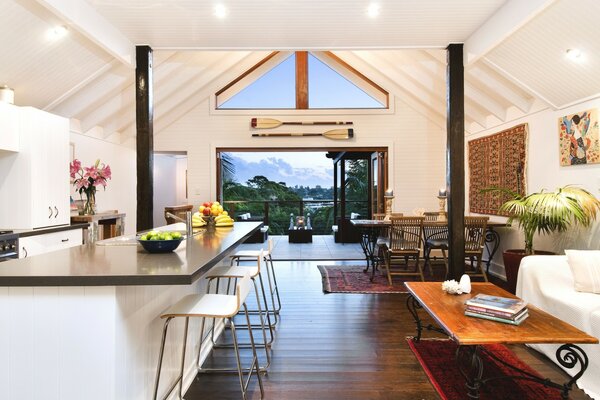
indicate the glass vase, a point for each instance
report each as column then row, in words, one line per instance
column 89, row 208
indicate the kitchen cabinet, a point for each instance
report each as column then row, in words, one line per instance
column 44, row 243
column 35, row 191
column 9, row 127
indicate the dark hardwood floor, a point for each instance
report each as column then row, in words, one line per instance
column 339, row 346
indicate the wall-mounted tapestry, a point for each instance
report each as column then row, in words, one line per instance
column 578, row 136
column 497, row 160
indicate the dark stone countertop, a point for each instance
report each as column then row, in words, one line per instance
column 52, row 229
column 92, row 265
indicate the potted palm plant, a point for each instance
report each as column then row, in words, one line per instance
column 544, row 212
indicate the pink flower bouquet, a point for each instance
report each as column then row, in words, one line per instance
column 87, row 179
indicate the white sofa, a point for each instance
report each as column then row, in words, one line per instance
column 547, row 282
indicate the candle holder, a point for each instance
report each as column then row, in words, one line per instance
column 389, row 200
column 442, row 212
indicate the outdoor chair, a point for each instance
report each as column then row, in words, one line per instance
column 405, row 239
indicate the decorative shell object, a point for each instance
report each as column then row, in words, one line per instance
column 451, row 287
column 465, row 284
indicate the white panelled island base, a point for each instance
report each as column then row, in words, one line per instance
column 74, row 341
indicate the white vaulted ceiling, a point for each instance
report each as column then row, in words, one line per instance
column 514, row 52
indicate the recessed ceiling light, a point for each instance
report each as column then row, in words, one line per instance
column 574, row 54
column 57, row 32
column 373, row 10
column 220, row 11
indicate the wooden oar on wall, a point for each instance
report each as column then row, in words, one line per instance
column 336, row 134
column 268, row 123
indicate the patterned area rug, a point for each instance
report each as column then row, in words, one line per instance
column 352, row 279
column 437, row 357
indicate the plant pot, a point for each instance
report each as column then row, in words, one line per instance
column 512, row 260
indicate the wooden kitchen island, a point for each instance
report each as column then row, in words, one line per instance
column 83, row 323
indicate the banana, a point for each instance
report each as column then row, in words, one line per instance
column 222, row 217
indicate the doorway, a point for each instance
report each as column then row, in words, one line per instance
column 170, row 183
column 355, row 187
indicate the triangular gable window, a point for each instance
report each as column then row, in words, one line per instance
column 275, row 89
column 302, row 80
column 329, row 89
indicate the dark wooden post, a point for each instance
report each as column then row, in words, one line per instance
column 455, row 160
column 144, row 115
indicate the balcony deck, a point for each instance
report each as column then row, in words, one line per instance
column 323, row 247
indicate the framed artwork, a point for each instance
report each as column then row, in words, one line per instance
column 498, row 160
column 578, row 138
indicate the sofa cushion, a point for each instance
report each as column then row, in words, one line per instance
column 585, row 266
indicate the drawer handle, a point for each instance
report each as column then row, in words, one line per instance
column 56, row 212
column 65, row 240
column 51, row 212
column 25, row 250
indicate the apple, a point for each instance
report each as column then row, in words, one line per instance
column 206, row 211
column 215, row 211
column 207, row 204
column 201, row 208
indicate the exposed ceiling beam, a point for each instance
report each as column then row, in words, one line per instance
column 124, row 99
column 496, row 83
column 81, row 16
column 416, row 103
column 485, row 101
column 190, row 95
column 504, row 22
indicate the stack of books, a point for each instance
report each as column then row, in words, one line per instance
column 495, row 308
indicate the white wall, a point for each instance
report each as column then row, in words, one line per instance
column 165, row 185
column 120, row 193
column 416, row 147
column 544, row 172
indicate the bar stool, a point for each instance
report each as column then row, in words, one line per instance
column 254, row 271
column 243, row 255
column 210, row 306
column 230, row 273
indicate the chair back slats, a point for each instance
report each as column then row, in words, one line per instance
column 431, row 215
column 475, row 228
column 378, row 216
column 406, row 233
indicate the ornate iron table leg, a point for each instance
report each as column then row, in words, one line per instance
column 492, row 242
column 413, row 305
column 471, row 368
column 568, row 355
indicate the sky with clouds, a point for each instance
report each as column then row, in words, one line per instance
column 293, row 168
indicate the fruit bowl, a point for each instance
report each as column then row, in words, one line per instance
column 160, row 246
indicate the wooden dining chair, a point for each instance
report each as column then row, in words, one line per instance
column 405, row 239
column 435, row 237
column 475, row 228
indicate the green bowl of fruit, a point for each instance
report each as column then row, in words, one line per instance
column 160, row 242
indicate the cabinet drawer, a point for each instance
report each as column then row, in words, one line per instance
column 63, row 240
column 32, row 246
column 39, row 244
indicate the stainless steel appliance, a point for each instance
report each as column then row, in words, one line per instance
column 9, row 245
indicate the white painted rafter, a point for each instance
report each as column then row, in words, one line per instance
column 84, row 18
column 506, row 20
column 437, row 116
column 500, row 86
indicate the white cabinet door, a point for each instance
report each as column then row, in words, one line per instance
column 48, row 136
column 9, row 127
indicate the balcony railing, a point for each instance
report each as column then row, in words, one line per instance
column 276, row 213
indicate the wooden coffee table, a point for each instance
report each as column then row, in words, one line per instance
column 471, row 333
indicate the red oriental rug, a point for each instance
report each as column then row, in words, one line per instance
column 352, row 279
column 437, row 357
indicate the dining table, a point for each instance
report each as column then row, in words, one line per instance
column 373, row 229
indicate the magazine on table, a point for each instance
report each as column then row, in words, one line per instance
column 504, row 304
column 517, row 321
column 495, row 313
